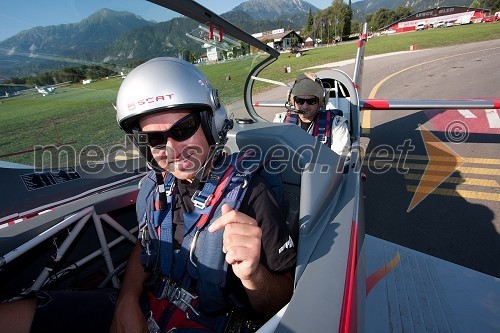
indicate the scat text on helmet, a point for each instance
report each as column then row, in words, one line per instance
column 131, row 106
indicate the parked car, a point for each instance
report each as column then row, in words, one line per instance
column 491, row 18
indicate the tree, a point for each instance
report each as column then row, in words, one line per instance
column 310, row 20
column 244, row 48
column 194, row 57
column 382, row 18
column 476, row 4
column 18, row 80
column 338, row 11
column 402, row 12
column 494, row 5
column 308, row 30
column 347, row 19
column 368, row 18
column 356, row 26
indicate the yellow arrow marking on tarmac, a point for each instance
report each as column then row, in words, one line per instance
column 435, row 148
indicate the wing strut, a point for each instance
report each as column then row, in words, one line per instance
column 360, row 55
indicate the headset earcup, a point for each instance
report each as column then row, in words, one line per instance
column 208, row 126
column 323, row 96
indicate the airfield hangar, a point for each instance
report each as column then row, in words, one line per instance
column 437, row 17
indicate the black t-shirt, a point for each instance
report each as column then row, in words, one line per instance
column 259, row 203
column 305, row 126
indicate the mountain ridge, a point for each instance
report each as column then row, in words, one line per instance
column 119, row 37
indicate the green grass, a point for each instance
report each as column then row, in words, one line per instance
column 80, row 113
column 376, row 45
column 84, row 113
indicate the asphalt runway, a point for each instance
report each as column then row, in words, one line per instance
column 459, row 221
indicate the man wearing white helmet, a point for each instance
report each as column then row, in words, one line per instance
column 305, row 104
column 204, row 260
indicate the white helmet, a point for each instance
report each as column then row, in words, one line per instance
column 169, row 83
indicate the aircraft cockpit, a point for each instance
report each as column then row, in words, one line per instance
column 85, row 179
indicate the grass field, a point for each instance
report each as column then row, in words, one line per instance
column 378, row 45
column 85, row 115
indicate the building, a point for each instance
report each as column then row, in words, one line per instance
column 213, row 53
column 437, row 17
column 280, row 39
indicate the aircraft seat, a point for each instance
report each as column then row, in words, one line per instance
column 308, row 168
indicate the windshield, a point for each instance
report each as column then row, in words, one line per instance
column 59, row 82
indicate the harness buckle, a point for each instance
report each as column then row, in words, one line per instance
column 182, row 299
column 200, row 200
column 170, row 189
column 152, row 324
column 145, row 239
column 178, row 296
column 321, row 138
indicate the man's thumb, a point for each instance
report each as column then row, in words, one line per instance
column 226, row 208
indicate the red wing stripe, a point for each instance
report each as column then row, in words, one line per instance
column 350, row 280
column 376, row 104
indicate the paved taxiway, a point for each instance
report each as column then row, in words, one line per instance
column 460, row 220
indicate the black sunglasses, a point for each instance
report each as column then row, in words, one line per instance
column 310, row 101
column 182, row 130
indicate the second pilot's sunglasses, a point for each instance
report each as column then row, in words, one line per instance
column 182, row 130
column 310, row 101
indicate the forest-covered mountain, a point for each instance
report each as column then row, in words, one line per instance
column 44, row 48
column 122, row 37
column 276, row 9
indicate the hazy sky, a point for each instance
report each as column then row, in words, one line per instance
column 19, row 15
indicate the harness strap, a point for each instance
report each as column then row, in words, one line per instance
column 162, row 196
column 164, row 317
column 322, row 130
column 214, row 189
column 322, row 125
column 226, row 184
column 232, row 186
column 163, row 219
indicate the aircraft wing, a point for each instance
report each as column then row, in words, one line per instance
column 408, row 291
column 397, row 104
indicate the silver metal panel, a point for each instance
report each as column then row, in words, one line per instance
column 323, row 258
column 427, row 294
